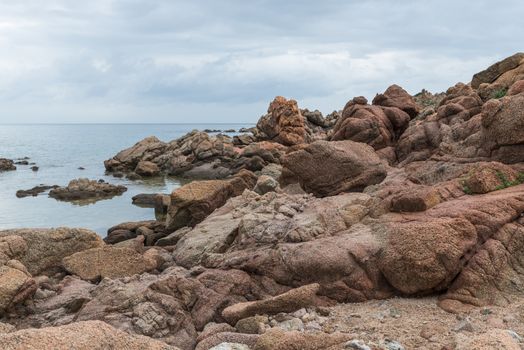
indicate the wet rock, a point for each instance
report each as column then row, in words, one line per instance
column 35, row 191
column 147, row 169
column 86, row 189
column 6, row 165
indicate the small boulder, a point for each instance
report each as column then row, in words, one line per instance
column 6, row 165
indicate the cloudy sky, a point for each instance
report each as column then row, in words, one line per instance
column 224, row 60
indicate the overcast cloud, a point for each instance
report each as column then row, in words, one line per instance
column 224, row 60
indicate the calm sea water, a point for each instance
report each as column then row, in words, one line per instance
column 59, row 150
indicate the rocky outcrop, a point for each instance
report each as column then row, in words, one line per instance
column 86, row 189
column 492, row 73
column 378, row 126
column 6, row 165
column 81, row 336
column 329, row 168
column 283, row 124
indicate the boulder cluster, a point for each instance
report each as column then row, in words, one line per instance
column 409, row 196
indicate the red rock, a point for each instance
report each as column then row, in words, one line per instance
column 283, row 123
column 329, row 168
column 395, row 96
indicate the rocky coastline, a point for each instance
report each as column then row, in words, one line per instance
column 392, row 225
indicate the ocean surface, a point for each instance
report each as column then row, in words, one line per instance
column 59, row 150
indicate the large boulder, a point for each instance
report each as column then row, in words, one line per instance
column 329, row 168
column 395, row 96
column 503, row 128
column 494, row 71
column 42, row 250
column 111, row 262
column 283, row 124
column 378, row 126
column 88, row 335
column 426, row 256
column 193, row 202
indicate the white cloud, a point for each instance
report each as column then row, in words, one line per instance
column 165, row 60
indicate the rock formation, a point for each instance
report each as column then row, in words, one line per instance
column 412, row 201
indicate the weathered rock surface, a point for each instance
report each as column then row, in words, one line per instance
column 379, row 127
column 288, row 302
column 81, row 336
column 111, row 262
column 16, row 285
column 42, row 250
column 193, row 202
column 86, row 189
column 284, row 123
column 395, row 96
column 329, row 168
column 147, row 168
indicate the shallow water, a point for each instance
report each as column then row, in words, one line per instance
column 59, row 150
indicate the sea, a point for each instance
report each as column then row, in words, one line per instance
column 60, row 150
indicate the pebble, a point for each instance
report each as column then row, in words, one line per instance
column 515, row 335
column 393, row 345
column 357, row 345
column 464, row 325
column 295, row 324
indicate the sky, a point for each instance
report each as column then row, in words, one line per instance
column 223, row 61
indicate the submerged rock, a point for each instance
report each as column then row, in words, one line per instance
column 6, row 165
column 35, row 191
column 86, row 189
